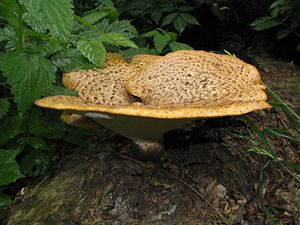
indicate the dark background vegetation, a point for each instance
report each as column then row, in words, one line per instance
column 225, row 24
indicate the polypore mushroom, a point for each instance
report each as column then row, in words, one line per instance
column 170, row 91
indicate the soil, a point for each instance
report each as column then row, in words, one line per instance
column 206, row 175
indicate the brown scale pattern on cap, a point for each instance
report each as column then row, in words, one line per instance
column 106, row 86
column 198, row 78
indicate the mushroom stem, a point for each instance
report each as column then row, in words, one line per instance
column 146, row 133
column 148, row 150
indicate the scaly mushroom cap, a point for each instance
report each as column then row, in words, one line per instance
column 198, row 78
column 106, row 86
column 182, row 84
column 174, row 89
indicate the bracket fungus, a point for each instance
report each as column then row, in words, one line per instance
column 150, row 95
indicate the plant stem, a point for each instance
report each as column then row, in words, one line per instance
column 8, row 98
column 261, row 197
column 21, row 30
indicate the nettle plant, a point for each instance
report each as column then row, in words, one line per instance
column 38, row 40
column 283, row 17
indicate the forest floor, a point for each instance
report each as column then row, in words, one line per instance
column 207, row 175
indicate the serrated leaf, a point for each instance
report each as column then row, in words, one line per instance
column 10, row 127
column 71, row 60
column 30, row 76
column 282, row 33
column 179, row 24
column 4, row 201
column 150, row 33
column 161, row 41
column 117, row 40
column 9, row 168
column 4, row 105
column 123, row 27
column 59, row 90
column 93, row 50
column 169, row 19
column 174, row 46
column 35, row 16
column 59, row 15
column 94, row 17
column 189, row 19
column 7, row 33
column 54, row 45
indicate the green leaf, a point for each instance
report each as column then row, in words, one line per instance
column 298, row 47
column 38, row 143
column 150, row 33
column 53, row 45
column 8, row 9
column 9, row 168
column 179, row 24
column 189, row 18
column 186, row 8
column 123, row 27
column 59, row 15
column 7, row 33
column 10, row 127
column 156, row 15
column 264, row 23
column 291, row 115
column 127, row 54
column 282, row 33
column 4, row 105
column 59, row 90
column 35, row 163
column 35, row 16
column 174, row 46
column 161, row 41
column 31, row 76
column 4, row 201
column 169, row 19
column 281, row 133
column 117, row 40
column 71, row 60
column 94, row 17
column 93, row 50
column 38, row 125
column 173, row 36
column 278, row 3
